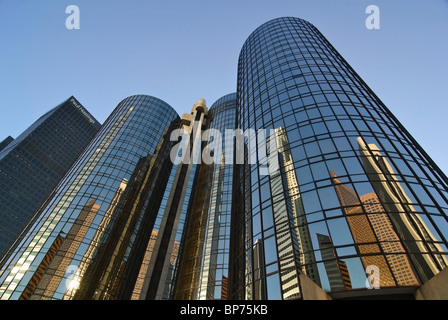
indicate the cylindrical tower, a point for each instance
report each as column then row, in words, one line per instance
column 204, row 262
column 356, row 202
column 92, row 231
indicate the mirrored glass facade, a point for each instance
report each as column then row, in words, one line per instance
column 158, row 273
column 356, row 198
column 32, row 164
column 301, row 185
column 204, row 265
column 92, row 230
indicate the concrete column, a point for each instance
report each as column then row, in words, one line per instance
column 434, row 289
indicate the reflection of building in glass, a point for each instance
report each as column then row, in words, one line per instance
column 291, row 77
column 32, row 164
column 134, row 219
column 37, row 276
column 293, row 239
column 337, row 271
column 203, row 268
column 362, row 232
column 144, row 266
column 162, row 272
column 138, row 288
column 96, row 239
column 389, row 241
column 61, row 261
column 124, row 150
column 373, row 232
column 413, row 230
column 259, row 290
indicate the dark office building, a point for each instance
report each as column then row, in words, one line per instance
column 32, row 164
column 349, row 171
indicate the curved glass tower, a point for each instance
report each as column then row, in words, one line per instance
column 203, row 270
column 89, row 237
column 356, row 202
column 301, row 185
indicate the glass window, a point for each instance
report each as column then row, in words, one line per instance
column 353, row 166
column 304, row 175
column 319, row 171
column 328, row 198
column 333, row 126
column 342, row 144
column 267, row 218
column 327, row 146
column 273, row 287
column 306, row 131
column 319, row 128
column 340, row 231
column 270, row 250
column 310, row 201
column 312, row 149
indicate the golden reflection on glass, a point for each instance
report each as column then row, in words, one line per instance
column 96, row 240
column 44, row 285
column 374, row 235
column 39, row 237
column 413, row 231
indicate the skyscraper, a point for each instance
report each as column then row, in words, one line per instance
column 300, row 185
column 204, row 264
column 362, row 180
column 159, row 278
column 95, row 223
column 32, row 164
column 338, row 276
column 368, row 224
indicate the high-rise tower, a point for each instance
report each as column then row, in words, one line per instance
column 204, row 264
column 352, row 180
column 86, row 240
column 159, row 274
column 32, row 164
column 302, row 185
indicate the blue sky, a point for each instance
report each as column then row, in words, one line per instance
column 180, row 51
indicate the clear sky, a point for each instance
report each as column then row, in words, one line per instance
column 183, row 50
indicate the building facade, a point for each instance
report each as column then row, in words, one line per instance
column 354, row 193
column 300, row 182
column 32, row 164
column 96, row 221
column 204, row 265
column 160, row 272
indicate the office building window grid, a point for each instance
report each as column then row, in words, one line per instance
column 348, row 152
column 33, row 163
column 204, row 267
column 355, row 202
column 82, row 206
